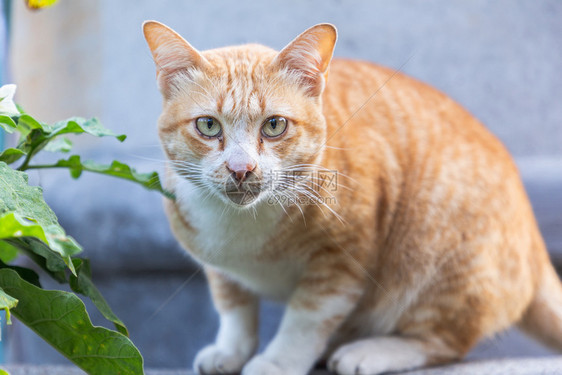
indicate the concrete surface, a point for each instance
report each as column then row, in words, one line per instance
column 521, row 366
column 500, row 59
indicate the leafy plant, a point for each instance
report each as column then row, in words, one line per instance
column 29, row 227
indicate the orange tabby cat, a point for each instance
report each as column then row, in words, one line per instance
column 391, row 222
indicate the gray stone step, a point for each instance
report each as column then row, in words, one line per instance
column 514, row 366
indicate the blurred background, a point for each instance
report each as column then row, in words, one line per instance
column 502, row 60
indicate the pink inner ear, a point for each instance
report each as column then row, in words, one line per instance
column 171, row 54
column 310, row 54
column 304, row 57
column 170, row 57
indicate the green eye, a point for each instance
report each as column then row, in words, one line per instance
column 208, row 126
column 274, row 126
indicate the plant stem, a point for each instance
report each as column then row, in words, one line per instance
column 42, row 166
column 25, row 163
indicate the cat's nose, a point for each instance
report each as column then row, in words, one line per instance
column 240, row 174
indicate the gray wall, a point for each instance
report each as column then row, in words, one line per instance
column 500, row 59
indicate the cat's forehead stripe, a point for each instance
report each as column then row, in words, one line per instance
column 242, row 88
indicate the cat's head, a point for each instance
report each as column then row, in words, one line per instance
column 237, row 120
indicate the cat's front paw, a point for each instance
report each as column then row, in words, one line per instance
column 260, row 365
column 213, row 360
column 377, row 355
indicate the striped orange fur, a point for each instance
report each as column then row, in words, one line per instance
column 391, row 222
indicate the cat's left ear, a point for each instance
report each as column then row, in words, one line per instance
column 171, row 53
column 309, row 55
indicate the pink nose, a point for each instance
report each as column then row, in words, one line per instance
column 240, row 174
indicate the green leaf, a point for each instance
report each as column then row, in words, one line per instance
column 36, row 135
column 13, row 225
column 79, row 125
column 7, row 302
column 16, row 196
column 25, row 273
column 50, row 261
column 83, row 284
column 11, row 155
column 33, row 134
column 76, row 166
column 7, row 123
column 27, row 124
column 60, row 318
column 7, row 252
column 4, row 372
column 61, row 144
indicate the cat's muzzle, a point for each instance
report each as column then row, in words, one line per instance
column 242, row 193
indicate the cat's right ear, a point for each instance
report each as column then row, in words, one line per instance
column 171, row 53
column 309, row 55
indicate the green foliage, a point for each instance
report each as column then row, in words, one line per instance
column 30, row 228
column 7, row 124
column 59, row 144
column 61, row 319
column 34, row 136
column 7, row 302
column 76, row 166
column 24, row 213
column 11, row 155
column 82, row 283
column 7, row 252
column 25, row 273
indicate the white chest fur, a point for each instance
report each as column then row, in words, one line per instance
column 231, row 240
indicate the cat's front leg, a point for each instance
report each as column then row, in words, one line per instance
column 321, row 301
column 237, row 339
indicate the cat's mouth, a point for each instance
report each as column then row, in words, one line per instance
column 242, row 194
column 242, row 198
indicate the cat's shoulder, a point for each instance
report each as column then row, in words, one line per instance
column 374, row 77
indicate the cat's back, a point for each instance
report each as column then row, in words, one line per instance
column 371, row 96
column 369, row 105
column 436, row 165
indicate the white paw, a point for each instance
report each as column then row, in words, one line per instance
column 375, row 356
column 260, row 365
column 353, row 359
column 214, row 360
